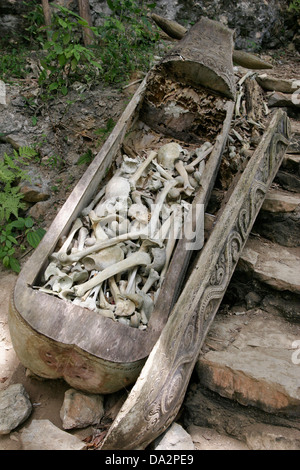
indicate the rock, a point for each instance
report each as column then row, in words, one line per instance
column 80, row 409
column 267, row 437
column 279, row 218
column 256, row 366
column 288, row 181
column 288, row 306
column 174, row 438
column 209, row 439
column 36, row 189
column 282, row 100
column 280, row 201
column 39, row 210
column 43, row 435
column 282, row 228
column 276, row 84
column 207, row 409
column 15, row 407
column 272, row 264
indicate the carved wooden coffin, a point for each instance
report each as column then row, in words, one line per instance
column 158, row 393
column 187, row 100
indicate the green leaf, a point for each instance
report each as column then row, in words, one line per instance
column 53, row 86
column 34, row 237
column 66, row 38
column 12, row 239
column 19, row 223
column 5, row 261
column 74, row 64
column 14, row 264
column 62, row 23
column 29, row 222
column 64, row 90
column 62, row 60
column 110, row 4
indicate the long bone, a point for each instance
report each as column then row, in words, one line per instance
column 139, row 258
column 63, row 258
column 151, row 279
column 175, row 229
column 76, row 226
column 95, row 201
column 136, row 176
column 153, row 223
column 201, row 155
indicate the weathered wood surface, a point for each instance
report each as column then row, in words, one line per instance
column 245, row 59
column 204, row 57
column 55, row 338
column 157, row 395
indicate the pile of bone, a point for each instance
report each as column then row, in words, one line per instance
column 115, row 258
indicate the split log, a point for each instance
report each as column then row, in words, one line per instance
column 242, row 58
column 276, row 84
column 171, row 28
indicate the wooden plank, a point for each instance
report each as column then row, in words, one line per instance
column 157, row 395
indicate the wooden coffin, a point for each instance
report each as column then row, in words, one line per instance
column 188, row 98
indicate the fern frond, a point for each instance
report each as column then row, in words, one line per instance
column 10, row 202
column 7, row 176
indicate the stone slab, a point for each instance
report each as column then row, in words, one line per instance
column 252, row 360
column 277, row 266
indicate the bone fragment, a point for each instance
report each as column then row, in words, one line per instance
column 136, row 176
column 152, row 278
column 76, row 226
column 139, row 258
column 104, row 258
column 201, row 155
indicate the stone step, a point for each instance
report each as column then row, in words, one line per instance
column 279, row 218
column 272, row 264
column 278, row 200
column 253, row 359
column 291, row 163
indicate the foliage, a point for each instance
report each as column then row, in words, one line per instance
column 14, row 229
column 128, row 39
column 66, row 60
column 13, row 61
column 295, row 6
column 35, row 22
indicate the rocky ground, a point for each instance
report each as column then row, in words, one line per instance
column 245, row 391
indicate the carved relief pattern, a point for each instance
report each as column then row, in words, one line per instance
column 166, row 395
